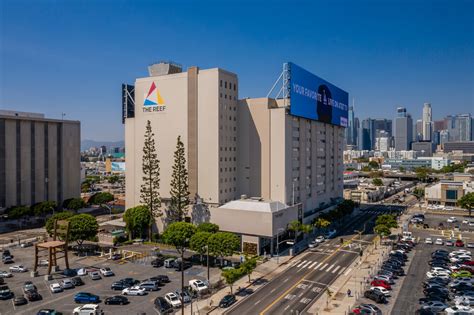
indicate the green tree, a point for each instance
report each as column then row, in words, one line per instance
column 43, row 208
column 382, row 230
column 86, row 186
column 64, row 215
column 321, row 223
column 419, row 193
column 149, row 190
column 366, row 168
column 467, row 202
column 75, row 204
column 306, row 229
column 101, row 199
column 113, row 179
column 82, row 227
column 402, row 169
column 223, row 244
column 231, row 276
column 199, row 241
column 179, row 193
column 373, row 164
column 248, row 266
column 136, row 220
column 377, row 182
column 179, row 235
column 386, row 219
column 19, row 212
column 295, row 227
column 422, row 173
column 208, row 227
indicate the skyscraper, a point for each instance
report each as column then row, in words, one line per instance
column 418, row 134
column 350, row 130
column 403, row 130
column 427, row 122
column 367, row 134
column 459, row 127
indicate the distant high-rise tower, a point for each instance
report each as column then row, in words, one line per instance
column 418, row 127
column 350, row 130
column 427, row 122
column 403, row 130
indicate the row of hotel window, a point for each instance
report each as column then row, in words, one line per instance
column 234, row 86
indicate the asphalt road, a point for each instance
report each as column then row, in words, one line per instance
column 308, row 275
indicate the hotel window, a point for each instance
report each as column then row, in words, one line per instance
column 234, row 86
column 225, row 84
column 221, row 84
column 230, row 86
column 221, row 95
column 225, row 96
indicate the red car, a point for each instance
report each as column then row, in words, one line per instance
column 469, row 263
column 459, row 243
column 381, row 283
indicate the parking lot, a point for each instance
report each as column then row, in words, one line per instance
column 64, row 302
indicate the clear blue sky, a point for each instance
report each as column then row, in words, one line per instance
column 72, row 56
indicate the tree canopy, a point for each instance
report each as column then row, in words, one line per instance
column 82, row 227
column 74, row 204
column 223, row 244
column 382, row 230
column 208, row 227
column 19, row 212
column 386, row 219
column 179, row 192
column 377, row 182
column 136, row 220
column 248, row 266
column 321, row 223
column 231, row 276
column 43, row 208
column 467, row 202
column 179, row 235
column 101, row 198
column 49, row 226
column 199, row 241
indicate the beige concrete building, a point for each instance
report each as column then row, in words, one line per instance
column 201, row 107
column 39, row 159
column 250, row 147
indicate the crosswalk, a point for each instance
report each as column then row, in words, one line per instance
column 320, row 266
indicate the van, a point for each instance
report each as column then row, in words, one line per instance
column 407, row 234
column 170, row 263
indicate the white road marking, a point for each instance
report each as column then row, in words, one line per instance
column 273, row 290
column 301, row 264
column 287, row 307
column 329, row 269
column 295, row 263
column 347, row 271
column 342, row 270
column 312, row 265
column 323, row 267
column 335, row 269
column 306, row 265
column 286, row 279
column 318, row 266
column 257, row 302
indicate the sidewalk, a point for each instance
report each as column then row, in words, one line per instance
column 266, row 270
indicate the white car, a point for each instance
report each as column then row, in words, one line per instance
column 135, row 290
column 465, row 221
column 55, row 287
column 439, row 241
column 107, row 272
column 18, row 268
column 5, row 274
column 434, row 306
column 95, row 275
column 439, row 269
column 458, row 258
column 67, row 284
column 467, row 300
column 382, row 290
column 319, row 239
column 471, row 223
column 452, row 220
column 87, row 309
column 460, row 252
column 313, row 244
column 444, row 276
column 43, row 263
column 385, row 278
column 198, row 285
column 428, row 240
column 173, row 299
column 448, row 208
column 458, row 310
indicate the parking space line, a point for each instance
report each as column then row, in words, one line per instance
column 323, row 267
column 301, row 264
column 329, row 269
column 318, row 266
column 335, row 269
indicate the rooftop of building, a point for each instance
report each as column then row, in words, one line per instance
column 255, row 204
column 14, row 114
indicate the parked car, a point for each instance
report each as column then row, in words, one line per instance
column 376, row 296
column 5, row 274
column 313, row 244
column 162, row 278
column 169, row 263
column 19, row 300
column 70, row 272
column 385, row 278
column 88, row 309
column 173, row 299
column 135, row 290
column 319, row 239
column 449, row 242
column 428, row 240
column 18, row 268
column 439, row 241
column 107, row 272
column 158, row 262
column 198, row 285
column 116, row 300
column 458, row 310
column 367, row 309
column 26, row 244
column 55, row 287
column 86, row 297
column 434, row 306
column 116, row 256
column 77, row 281
column 94, row 275
column 381, row 283
column 185, row 265
column 227, row 301
column 29, row 286
column 5, row 292
column 162, row 306
column 452, row 220
column 150, row 285
column 459, row 243
column 33, row 295
column 382, row 290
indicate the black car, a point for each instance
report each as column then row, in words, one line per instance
column 2, row 281
column 158, row 262
column 161, row 278
column 438, row 295
column 5, row 293
column 227, row 301
column 120, row 285
column 130, row 281
column 397, row 271
column 6, row 253
column 116, row 300
column 427, row 299
column 33, row 295
column 70, row 272
column 185, row 264
column 162, row 306
column 423, row 311
column 439, row 290
column 116, row 257
column 375, row 296
column 20, row 300
column 77, row 281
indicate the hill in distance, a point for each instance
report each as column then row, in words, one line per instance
column 86, row 144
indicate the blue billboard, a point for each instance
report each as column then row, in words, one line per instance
column 314, row 98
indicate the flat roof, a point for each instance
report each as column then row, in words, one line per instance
column 254, row 205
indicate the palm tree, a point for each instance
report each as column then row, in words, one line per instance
column 295, row 226
column 321, row 223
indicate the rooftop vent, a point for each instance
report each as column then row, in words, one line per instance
column 164, row 68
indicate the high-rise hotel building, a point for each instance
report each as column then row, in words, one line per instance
column 251, row 147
